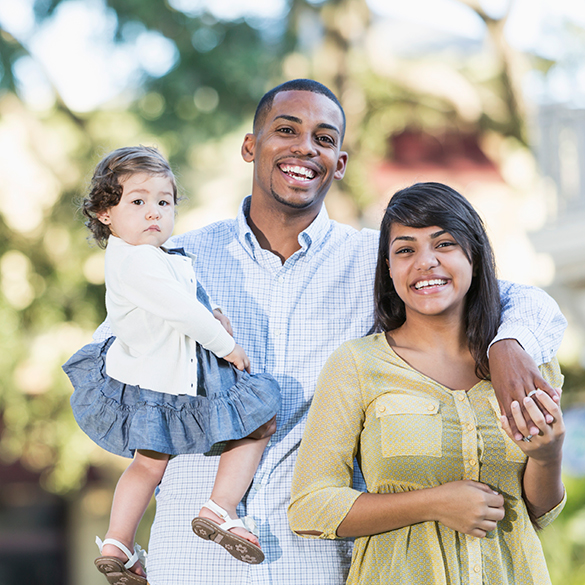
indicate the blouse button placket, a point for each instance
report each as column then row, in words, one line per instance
column 471, row 471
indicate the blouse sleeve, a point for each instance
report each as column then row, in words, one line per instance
column 148, row 283
column 322, row 492
column 533, row 318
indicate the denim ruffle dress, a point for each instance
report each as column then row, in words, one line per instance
column 121, row 418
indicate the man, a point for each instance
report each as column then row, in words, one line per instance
column 296, row 285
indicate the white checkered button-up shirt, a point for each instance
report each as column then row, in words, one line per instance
column 289, row 318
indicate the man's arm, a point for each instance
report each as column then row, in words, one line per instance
column 530, row 334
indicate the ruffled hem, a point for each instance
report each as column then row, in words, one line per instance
column 121, row 418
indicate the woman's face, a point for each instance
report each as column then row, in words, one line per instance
column 429, row 269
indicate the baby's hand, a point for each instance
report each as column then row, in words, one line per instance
column 239, row 358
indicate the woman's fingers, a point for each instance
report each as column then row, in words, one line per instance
column 519, row 418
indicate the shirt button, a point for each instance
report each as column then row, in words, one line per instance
column 477, row 568
column 430, row 407
column 469, row 425
column 472, row 462
column 277, row 332
column 281, row 279
column 461, row 397
column 381, row 408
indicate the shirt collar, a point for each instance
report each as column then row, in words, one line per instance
column 308, row 238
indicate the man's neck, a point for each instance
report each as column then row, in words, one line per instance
column 278, row 231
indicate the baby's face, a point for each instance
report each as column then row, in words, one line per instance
column 146, row 211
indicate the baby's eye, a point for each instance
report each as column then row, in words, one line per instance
column 137, row 202
column 164, row 203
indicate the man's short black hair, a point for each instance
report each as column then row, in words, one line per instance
column 294, row 85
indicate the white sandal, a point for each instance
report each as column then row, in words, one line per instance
column 238, row 547
column 117, row 572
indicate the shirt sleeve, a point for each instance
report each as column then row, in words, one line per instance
column 533, row 318
column 102, row 332
column 322, row 492
column 146, row 281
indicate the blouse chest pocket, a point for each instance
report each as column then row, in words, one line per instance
column 512, row 451
column 409, row 425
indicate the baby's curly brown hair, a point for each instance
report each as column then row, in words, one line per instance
column 106, row 183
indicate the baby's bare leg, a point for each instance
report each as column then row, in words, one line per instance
column 237, row 466
column 133, row 492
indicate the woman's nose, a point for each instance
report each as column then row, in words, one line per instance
column 426, row 260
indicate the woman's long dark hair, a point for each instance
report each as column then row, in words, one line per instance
column 434, row 204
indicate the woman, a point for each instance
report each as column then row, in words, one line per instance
column 451, row 493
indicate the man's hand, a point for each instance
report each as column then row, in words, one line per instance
column 514, row 375
column 223, row 320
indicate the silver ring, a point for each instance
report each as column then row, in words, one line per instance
column 530, row 394
column 527, row 438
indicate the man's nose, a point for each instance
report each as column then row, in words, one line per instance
column 304, row 144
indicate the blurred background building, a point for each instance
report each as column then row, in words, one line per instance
column 486, row 95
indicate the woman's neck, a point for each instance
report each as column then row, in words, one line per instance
column 437, row 347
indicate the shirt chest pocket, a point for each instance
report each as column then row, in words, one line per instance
column 409, row 426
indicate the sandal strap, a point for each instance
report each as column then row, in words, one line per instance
column 217, row 510
column 137, row 555
column 247, row 523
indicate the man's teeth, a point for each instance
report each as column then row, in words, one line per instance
column 297, row 172
column 424, row 283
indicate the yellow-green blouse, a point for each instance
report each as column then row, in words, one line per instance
column 409, row 432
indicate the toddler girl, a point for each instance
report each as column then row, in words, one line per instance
column 177, row 396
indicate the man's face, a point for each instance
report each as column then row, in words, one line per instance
column 296, row 152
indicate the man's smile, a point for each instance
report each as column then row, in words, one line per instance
column 298, row 172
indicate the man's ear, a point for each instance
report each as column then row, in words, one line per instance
column 249, row 147
column 104, row 216
column 341, row 166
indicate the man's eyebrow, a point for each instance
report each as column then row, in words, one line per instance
column 299, row 121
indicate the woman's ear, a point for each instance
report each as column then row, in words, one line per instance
column 104, row 216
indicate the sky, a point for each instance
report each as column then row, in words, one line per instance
column 100, row 70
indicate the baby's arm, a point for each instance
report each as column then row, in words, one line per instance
column 145, row 280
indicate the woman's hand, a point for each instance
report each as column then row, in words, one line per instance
column 545, row 446
column 468, row 506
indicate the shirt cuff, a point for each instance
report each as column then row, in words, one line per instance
column 551, row 515
column 524, row 337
